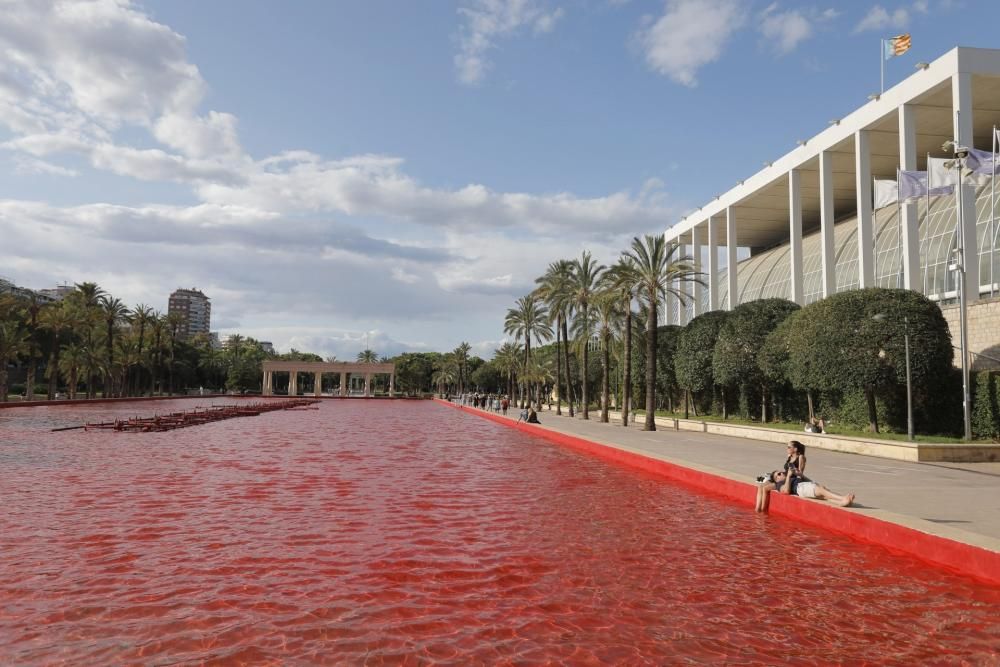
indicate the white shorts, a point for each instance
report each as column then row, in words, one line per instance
column 806, row 490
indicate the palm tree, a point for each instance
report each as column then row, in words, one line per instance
column 507, row 359
column 554, row 290
column 141, row 315
column 33, row 309
column 608, row 315
column 446, row 373
column 72, row 360
column 586, row 274
column 13, row 343
column 113, row 312
column 657, row 264
column 173, row 323
column 367, row 357
column 622, row 278
column 57, row 318
column 528, row 319
column 462, row 357
column 158, row 323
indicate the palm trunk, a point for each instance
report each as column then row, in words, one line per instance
column 570, row 394
column 763, row 404
column 558, row 371
column 72, row 383
column 29, row 383
column 651, row 364
column 3, row 381
column 687, row 402
column 605, row 379
column 585, row 392
column 872, row 409
column 627, row 379
column 54, row 368
column 809, row 401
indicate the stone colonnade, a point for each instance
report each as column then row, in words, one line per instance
column 318, row 368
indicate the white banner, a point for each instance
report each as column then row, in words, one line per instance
column 886, row 193
column 939, row 175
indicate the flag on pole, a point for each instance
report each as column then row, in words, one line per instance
column 983, row 165
column 896, row 46
column 886, row 193
column 941, row 173
column 913, row 186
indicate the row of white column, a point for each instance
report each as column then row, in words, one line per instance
column 293, row 383
column 961, row 83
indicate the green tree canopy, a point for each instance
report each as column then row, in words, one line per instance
column 695, row 348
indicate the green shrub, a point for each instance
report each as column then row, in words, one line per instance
column 985, row 416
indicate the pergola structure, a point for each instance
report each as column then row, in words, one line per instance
column 807, row 218
column 318, row 368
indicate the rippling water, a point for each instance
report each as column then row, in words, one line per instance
column 370, row 532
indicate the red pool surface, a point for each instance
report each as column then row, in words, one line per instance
column 377, row 532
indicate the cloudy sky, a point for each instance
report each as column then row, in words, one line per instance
column 327, row 171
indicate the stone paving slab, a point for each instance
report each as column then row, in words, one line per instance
column 956, row 501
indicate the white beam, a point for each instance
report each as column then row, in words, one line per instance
column 909, row 222
column 713, row 265
column 863, row 186
column 731, row 257
column 795, row 234
column 826, row 214
column 697, row 288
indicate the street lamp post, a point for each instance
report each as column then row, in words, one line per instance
column 881, row 317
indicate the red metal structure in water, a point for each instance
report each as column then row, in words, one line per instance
column 194, row 417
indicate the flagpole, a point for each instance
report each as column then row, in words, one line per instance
column 899, row 234
column 993, row 207
column 927, row 217
column 881, row 63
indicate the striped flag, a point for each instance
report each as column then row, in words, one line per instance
column 896, row 46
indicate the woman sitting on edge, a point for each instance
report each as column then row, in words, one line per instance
column 796, row 460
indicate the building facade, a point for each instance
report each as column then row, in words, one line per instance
column 195, row 310
column 808, row 219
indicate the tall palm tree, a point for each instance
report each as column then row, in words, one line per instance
column 554, row 288
column 586, row 274
column 173, row 326
column 608, row 316
column 529, row 318
column 33, row 308
column 621, row 277
column 141, row 316
column 507, row 359
column 71, row 361
column 84, row 305
column 462, row 357
column 445, row 373
column 13, row 343
column 367, row 357
column 657, row 264
column 158, row 323
column 57, row 318
column 113, row 310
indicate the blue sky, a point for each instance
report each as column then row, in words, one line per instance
column 327, row 170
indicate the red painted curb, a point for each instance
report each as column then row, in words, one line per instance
column 965, row 559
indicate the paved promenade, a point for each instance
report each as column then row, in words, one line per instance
column 955, row 501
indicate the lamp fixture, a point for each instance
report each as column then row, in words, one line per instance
column 834, row 121
column 875, row 97
column 922, row 65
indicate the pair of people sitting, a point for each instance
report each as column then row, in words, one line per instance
column 792, row 481
column 529, row 416
column 815, row 425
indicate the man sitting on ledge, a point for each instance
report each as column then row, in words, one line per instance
column 792, row 483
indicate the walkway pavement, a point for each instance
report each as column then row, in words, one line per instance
column 956, row 501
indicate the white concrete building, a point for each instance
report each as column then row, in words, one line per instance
column 808, row 220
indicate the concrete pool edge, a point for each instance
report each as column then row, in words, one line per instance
column 888, row 531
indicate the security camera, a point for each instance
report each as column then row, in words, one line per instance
column 961, row 152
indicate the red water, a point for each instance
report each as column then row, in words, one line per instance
column 371, row 532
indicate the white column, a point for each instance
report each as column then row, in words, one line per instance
column 795, row 235
column 826, row 223
column 293, row 383
column 264, row 390
column 368, row 384
column 713, row 266
column 682, row 305
column 909, row 222
column 961, row 100
column 343, row 384
column 697, row 289
column 863, row 184
column 731, row 256
column 392, row 385
column 317, row 384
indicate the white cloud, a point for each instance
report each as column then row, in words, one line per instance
column 28, row 165
column 689, row 35
column 878, row 18
column 784, row 30
column 486, row 21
